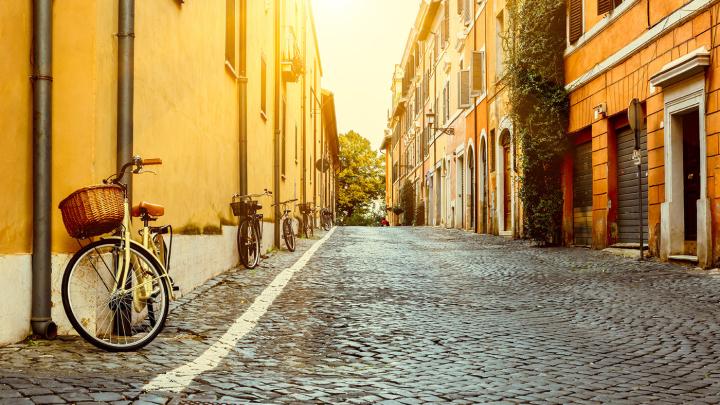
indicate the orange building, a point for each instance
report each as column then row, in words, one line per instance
column 448, row 132
column 662, row 53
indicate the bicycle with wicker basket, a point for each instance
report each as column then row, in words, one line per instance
column 249, row 236
column 116, row 290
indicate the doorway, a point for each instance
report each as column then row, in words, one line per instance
column 471, row 188
column 691, row 177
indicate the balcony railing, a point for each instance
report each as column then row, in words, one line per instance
column 292, row 65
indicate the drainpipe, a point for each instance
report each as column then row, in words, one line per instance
column 126, row 73
column 243, row 97
column 40, row 320
column 276, row 120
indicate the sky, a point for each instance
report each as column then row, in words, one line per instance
column 361, row 41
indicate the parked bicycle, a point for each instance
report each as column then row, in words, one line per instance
column 286, row 222
column 116, row 291
column 308, row 218
column 326, row 219
column 249, row 237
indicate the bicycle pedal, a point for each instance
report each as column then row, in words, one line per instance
column 176, row 288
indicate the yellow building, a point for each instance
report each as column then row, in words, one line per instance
column 227, row 92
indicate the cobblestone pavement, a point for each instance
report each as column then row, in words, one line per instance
column 402, row 315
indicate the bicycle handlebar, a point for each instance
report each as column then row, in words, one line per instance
column 136, row 161
column 245, row 197
column 285, row 202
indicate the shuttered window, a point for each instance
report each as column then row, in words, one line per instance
column 606, row 6
column 460, row 6
column 477, row 75
column 446, row 24
column 468, row 13
column 447, row 102
column 576, row 20
column 464, row 89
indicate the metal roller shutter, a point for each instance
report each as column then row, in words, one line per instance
column 628, row 218
column 582, row 195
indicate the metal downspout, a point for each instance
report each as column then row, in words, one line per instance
column 41, row 320
column 126, row 76
column 243, row 98
column 276, row 127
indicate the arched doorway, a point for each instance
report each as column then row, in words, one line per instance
column 482, row 167
column 505, row 182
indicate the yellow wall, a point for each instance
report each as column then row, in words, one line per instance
column 186, row 109
column 15, row 141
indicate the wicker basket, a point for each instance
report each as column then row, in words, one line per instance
column 306, row 208
column 241, row 208
column 93, row 211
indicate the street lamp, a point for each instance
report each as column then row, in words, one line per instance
column 430, row 115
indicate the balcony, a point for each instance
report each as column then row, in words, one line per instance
column 292, row 64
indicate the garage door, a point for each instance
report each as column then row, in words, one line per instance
column 628, row 219
column 582, row 195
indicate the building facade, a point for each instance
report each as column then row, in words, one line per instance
column 227, row 92
column 643, row 125
column 650, row 169
column 449, row 131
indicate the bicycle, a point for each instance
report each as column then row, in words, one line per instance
column 307, row 211
column 116, row 291
column 249, row 237
column 326, row 219
column 288, row 234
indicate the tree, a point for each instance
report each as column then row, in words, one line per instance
column 361, row 180
column 407, row 202
column 535, row 47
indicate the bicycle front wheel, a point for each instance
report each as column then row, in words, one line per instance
column 111, row 318
column 248, row 245
column 288, row 234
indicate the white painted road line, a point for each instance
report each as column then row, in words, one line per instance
column 179, row 378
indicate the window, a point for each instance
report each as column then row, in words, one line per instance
column 446, row 24
column 478, row 74
column 606, row 6
column 499, row 52
column 230, row 32
column 283, row 134
column 263, row 87
column 446, row 101
column 464, row 89
column 575, row 25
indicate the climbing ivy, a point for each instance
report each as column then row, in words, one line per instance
column 534, row 47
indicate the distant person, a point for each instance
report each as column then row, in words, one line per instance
column 384, row 222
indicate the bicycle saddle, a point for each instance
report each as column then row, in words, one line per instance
column 153, row 210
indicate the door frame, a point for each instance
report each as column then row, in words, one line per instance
column 500, row 183
column 683, row 97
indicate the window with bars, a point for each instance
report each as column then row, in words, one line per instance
column 446, row 24
column 230, row 33
column 263, row 87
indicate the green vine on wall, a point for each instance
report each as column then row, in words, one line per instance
column 534, row 47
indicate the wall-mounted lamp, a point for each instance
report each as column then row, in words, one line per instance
column 600, row 111
column 430, row 115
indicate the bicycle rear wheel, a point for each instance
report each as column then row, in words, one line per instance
column 115, row 319
column 248, row 245
column 288, row 234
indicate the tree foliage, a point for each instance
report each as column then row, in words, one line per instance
column 361, row 180
column 534, row 48
column 407, row 202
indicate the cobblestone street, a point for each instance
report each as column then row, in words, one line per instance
column 413, row 315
